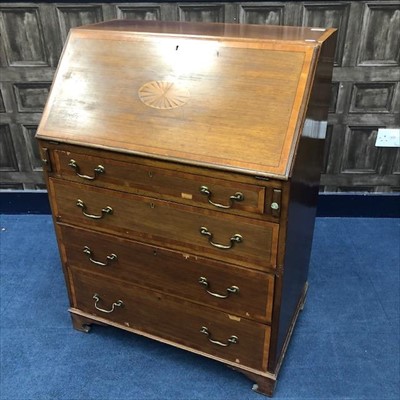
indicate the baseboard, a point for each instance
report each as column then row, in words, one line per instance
column 380, row 205
column 24, row 202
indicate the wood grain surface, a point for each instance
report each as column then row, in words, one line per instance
column 266, row 80
column 171, row 272
column 167, row 183
column 172, row 318
column 168, row 224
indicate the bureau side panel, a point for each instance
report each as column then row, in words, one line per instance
column 301, row 194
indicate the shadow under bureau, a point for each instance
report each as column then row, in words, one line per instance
column 182, row 162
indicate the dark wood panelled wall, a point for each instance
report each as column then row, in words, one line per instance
column 365, row 92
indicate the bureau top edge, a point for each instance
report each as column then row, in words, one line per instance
column 252, row 173
column 310, row 36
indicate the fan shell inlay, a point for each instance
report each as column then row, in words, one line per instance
column 163, row 95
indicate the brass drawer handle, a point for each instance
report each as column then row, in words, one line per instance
column 230, row 290
column 232, row 340
column 104, row 211
column 98, row 170
column 236, row 238
column 238, row 196
column 89, row 253
column 118, row 303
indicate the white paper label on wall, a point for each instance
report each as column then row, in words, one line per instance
column 388, row 137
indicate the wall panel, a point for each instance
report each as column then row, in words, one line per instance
column 201, row 12
column 29, row 132
column 139, row 12
column 380, row 36
column 8, row 161
column 22, row 34
column 360, row 155
column 269, row 14
column 2, row 105
column 72, row 16
column 31, row 97
column 327, row 15
column 372, row 97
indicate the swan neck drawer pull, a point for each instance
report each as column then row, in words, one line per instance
column 238, row 196
column 230, row 290
column 98, row 170
column 118, row 303
column 236, row 238
column 232, row 340
column 109, row 258
column 104, row 211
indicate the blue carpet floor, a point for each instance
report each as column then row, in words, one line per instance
column 345, row 346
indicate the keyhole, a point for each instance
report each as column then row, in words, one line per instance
column 152, row 205
column 176, row 48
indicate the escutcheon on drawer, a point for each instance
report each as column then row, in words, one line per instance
column 233, row 289
column 214, row 332
column 239, row 240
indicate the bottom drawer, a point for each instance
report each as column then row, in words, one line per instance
column 216, row 333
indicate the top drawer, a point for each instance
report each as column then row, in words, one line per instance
column 160, row 179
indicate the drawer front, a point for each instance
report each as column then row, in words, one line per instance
column 251, row 242
column 232, row 289
column 165, row 183
column 174, row 319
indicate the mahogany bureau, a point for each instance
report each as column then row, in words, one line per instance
column 182, row 162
